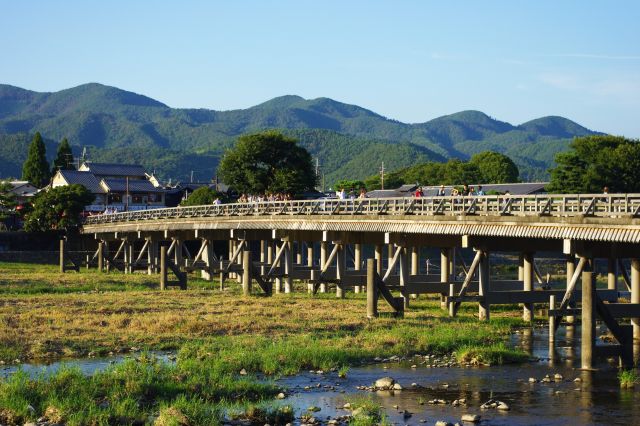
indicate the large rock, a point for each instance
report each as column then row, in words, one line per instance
column 385, row 383
column 471, row 418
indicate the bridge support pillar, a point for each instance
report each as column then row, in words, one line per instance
column 372, row 292
column 415, row 265
column 445, row 272
column 177, row 253
column 310, row 255
column 62, row 253
column 527, row 270
column 612, row 273
column 571, row 268
column 163, row 267
column 521, row 267
column 357, row 260
column 246, row 272
column 208, row 259
column 404, row 275
column 341, row 269
column 588, row 317
column 100, row 256
column 635, row 298
column 288, row 266
column 484, row 287
column 323, row 260
column 378, row 258
column 152, row 257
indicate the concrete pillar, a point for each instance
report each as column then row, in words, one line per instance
column 390, row 253
column 310, row 262
column 552, row 321
column 372, row 292
column 278, row 280
column 635, row 298
column 452, row 293
column 357, row 259
column 152, row 257
column 527, row 276
column 288, row 266
column 323, row 260
column 415, row 261
column 521, row 267
column 207, row 256
column 415, row 265
column 341, row 270
column 571, row 268
column 177, row 253
column 378, row 258
column 299, row 252
column 246, row 272
column 263, row 251
column 131, row 256
column 445, row 272
column 62, row 259
column 612, row 273
column 310, row 254
column 404, row 275
column 163, row 267
column 100, row 256
column 484, row 311
column 588, row 317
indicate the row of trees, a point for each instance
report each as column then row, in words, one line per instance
column 36, row 167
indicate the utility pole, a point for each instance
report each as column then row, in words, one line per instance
column 382, row 176
column 191, row 176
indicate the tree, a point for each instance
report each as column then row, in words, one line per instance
column 349, row 184
column 36, row 168
column 495, row 167
column 594, row 162
column 268, row 162
column 64, row 157
column 58, row 208
column 201, row 196
column 7, row 199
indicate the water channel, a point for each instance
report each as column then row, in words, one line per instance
column 594, row 399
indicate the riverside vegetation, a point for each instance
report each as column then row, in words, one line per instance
column 45, row 315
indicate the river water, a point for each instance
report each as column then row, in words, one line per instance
column 596, row 399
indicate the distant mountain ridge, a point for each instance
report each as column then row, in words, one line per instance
column 118, row 125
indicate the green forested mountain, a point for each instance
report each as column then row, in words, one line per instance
column 350, row 141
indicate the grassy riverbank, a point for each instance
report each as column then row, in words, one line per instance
column 47, row 315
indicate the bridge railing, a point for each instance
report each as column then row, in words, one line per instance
column 598, row 205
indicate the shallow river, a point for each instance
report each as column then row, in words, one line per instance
column 595, row 399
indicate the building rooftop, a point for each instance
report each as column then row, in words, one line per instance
column 86, row 179
column 135, row 185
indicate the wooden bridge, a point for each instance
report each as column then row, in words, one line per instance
column 376, row 244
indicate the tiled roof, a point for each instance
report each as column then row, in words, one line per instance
column 513, row 188
column 411, row 187
column 86, row 179
column 135, row 185
column 385, row 193
column 112, row 169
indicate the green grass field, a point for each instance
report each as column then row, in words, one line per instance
column 47, row 315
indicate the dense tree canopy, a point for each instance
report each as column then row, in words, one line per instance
column 36, row 167
column 483, row 168
column 268, row 162
column 201, row 196
column 495, row 167
column 64, row 157
column 58, row 208
column 7, row 199
column 348, row 184
column 594, row 162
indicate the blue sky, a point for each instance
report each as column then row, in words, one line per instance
column 408, row 60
